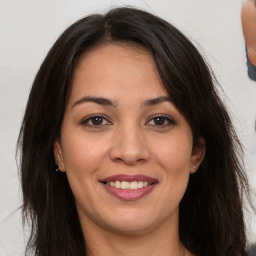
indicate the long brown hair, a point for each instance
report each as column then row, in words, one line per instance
column 211, row 216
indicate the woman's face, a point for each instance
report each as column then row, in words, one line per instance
column 126, row 149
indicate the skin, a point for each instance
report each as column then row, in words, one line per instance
column 129, row 140
column 248, row 17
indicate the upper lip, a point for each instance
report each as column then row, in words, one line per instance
column 129, row 178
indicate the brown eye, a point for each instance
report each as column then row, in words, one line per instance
column 95, row 121
column 160, row 121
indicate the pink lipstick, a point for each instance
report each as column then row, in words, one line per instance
column 129, row 187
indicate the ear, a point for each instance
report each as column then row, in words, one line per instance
column 198, row 153
column 58, row 156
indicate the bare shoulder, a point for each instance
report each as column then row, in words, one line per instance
column 248, row 8
column 248, row 18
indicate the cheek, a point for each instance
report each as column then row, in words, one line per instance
column 175, row 161
column 82, row 159
column 82, row 156
column 174, row 155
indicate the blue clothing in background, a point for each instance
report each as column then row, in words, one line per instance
column 251, row 70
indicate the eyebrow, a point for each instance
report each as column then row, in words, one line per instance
column 106, row 102
column 97, row 100
column 158, row 100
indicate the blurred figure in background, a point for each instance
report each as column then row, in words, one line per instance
column 248, row 18
column 253, row 250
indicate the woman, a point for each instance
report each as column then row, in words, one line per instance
column 125, row 108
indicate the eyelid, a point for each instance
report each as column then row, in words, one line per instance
column 166, row 117
column 90, row 117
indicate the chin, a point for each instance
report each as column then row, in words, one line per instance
column 130, row 228
column 134, row 223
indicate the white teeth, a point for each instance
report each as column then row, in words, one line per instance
column 145, row 183
column 134, row 185
column 125, row 185
column 140, row 184
column 117, row 184
column 128, row 185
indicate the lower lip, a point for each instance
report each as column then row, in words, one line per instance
column 129, row 194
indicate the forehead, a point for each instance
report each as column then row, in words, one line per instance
column 113, row 70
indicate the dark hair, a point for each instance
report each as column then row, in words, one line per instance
column 211, row 217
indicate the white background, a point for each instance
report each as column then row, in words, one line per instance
column 29, row 28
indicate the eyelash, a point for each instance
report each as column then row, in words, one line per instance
column 167, row 121
column 104, row 121
column 94, row 117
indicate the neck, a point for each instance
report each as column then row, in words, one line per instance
column 161, row 241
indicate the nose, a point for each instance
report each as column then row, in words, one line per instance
column 129, row 146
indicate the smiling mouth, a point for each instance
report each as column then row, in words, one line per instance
column 129, row 187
